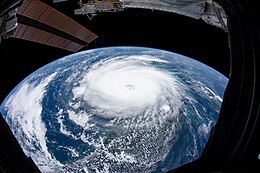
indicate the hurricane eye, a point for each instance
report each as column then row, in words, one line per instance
column 130, row 87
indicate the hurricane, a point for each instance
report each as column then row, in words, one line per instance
column 129, row 85
column 115, row 109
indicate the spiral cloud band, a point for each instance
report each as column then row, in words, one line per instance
column 129, row 85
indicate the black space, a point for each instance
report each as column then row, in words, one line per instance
column 133, row 27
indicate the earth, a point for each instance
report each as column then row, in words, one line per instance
column 115, row 109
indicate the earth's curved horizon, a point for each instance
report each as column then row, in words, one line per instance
column 115, row 109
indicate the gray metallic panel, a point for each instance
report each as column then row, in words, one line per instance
column 192, row 9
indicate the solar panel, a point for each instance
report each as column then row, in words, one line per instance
column 36, row 35
column 41, row 23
